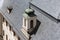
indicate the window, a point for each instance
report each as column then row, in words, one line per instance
column 18, row 38
column 6, row 23
column 3, row 32
column 3, row 19
column 9, row 9
column 25, row 22
column 31, row 24
column 14, row 33
column 10, row 27
column 6, row 37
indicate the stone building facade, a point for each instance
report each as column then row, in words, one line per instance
column 8, row 32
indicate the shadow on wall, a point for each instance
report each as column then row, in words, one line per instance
column 36, row 27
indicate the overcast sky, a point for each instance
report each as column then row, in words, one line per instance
column 1, row 2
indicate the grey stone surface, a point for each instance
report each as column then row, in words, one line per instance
column 48, row 29
column 52, row 7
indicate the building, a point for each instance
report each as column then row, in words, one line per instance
column 41, row 21
column 9, row 8
column 1, row 34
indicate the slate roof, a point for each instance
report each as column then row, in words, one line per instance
column 15, row 17
column 52, row 7
column 49, row 29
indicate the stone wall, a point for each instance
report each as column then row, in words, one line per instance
column 1, row 26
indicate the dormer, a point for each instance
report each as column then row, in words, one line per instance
column 29, row 22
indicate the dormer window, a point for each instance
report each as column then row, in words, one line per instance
column 14, row 33
column 24, row 22
column 18, row 38
column 10, row 27
column 29, row 22
column 6, row 37
column 3, row 19
column 9, row 9
column 3, row 33
column 6, row 23
column 29, row 19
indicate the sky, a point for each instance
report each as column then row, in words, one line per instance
column 1, row 2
